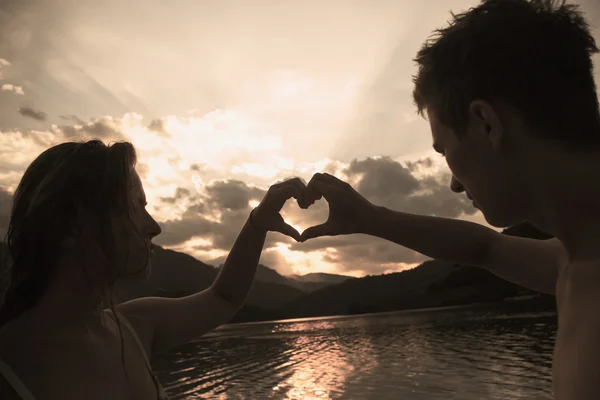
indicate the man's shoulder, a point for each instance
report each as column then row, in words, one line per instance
column 581, row 278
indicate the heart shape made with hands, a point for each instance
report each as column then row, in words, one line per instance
column 316, row 213
column 348, row 211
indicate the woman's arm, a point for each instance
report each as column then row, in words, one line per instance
column 163, row 323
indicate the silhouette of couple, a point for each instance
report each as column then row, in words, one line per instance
column 509, row 92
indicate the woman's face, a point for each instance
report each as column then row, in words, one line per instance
column 139, row 239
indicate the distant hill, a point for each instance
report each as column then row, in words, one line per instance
column 321, row 277
column 274, row 296
column 177, row 274
column 432, row 284
column 306, row 283
column 171, row 272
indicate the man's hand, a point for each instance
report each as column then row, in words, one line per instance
column 349, row 212
column 266, row 215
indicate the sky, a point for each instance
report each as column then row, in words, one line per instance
column 223, row 98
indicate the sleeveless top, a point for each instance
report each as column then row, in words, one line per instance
column 24, row 393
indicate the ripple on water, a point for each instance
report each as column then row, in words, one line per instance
column 447, row 354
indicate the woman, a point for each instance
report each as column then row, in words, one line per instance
column 78, row 225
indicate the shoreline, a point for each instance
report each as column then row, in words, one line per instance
column 520, row 299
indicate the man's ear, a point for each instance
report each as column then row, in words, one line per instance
column 487, row 121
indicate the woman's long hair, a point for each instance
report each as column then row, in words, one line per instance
column 74, row 189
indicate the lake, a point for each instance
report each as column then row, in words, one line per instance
column 481, row 352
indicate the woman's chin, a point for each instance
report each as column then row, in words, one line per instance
column 139, row 274
column 145, row 274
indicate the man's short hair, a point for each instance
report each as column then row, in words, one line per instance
column 533, row 55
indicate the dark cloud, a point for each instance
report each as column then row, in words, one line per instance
column 72, row 118
column 179, row 194
column 226, row 200
column 200, row 168
column 232, row 194
column 381, row 180
column 158, row 126
column 102, row 129
column 31, row 113
column 390, row 184
column 178, row 231
column 383, row 177
column 422, row 163
column 197, row 208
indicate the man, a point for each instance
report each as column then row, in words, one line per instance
column 509, row 92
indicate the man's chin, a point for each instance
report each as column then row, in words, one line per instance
column 497, row 222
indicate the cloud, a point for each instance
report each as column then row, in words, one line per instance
column 223, row 206
column 72, row 118
column 232, row 195
column 217, row 211
column 383, row 178
column 12, row 88
column 389, row 183
column 202, row 203
column 31, row 113
column 426, row 163
column 178, row 231
column 179, row 194
column 158, row 126
column 4, row 63
column 104, row 128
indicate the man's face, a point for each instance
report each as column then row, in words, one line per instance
column 480, row 169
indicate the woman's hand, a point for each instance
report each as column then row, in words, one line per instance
column 266, row 217
column 349, row 212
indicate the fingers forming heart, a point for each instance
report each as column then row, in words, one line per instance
column 315, row 213
column 320, row 186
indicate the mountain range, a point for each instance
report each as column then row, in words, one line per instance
column 274, row 296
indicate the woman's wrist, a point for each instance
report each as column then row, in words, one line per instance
column 253, row 224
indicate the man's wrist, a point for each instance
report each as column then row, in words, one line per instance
column 374, row 221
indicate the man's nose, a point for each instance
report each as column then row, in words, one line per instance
column 456, row 186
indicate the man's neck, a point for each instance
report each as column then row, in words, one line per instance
column 567, row 200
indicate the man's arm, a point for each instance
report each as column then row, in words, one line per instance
column 527, row 262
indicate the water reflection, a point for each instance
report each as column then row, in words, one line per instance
column 452, row 354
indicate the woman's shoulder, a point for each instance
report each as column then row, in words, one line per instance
column 12, row 341
column 7, row 392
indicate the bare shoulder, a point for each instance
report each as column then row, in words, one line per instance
column 532, row 263
column 12, row 343
column 558, row 249
column 136, row 319
column 583, row 275
column 6, row 355
column 17, row 355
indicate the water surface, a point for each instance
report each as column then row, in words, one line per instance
column 483, row 352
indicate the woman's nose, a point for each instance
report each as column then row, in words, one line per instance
column 153, row 228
